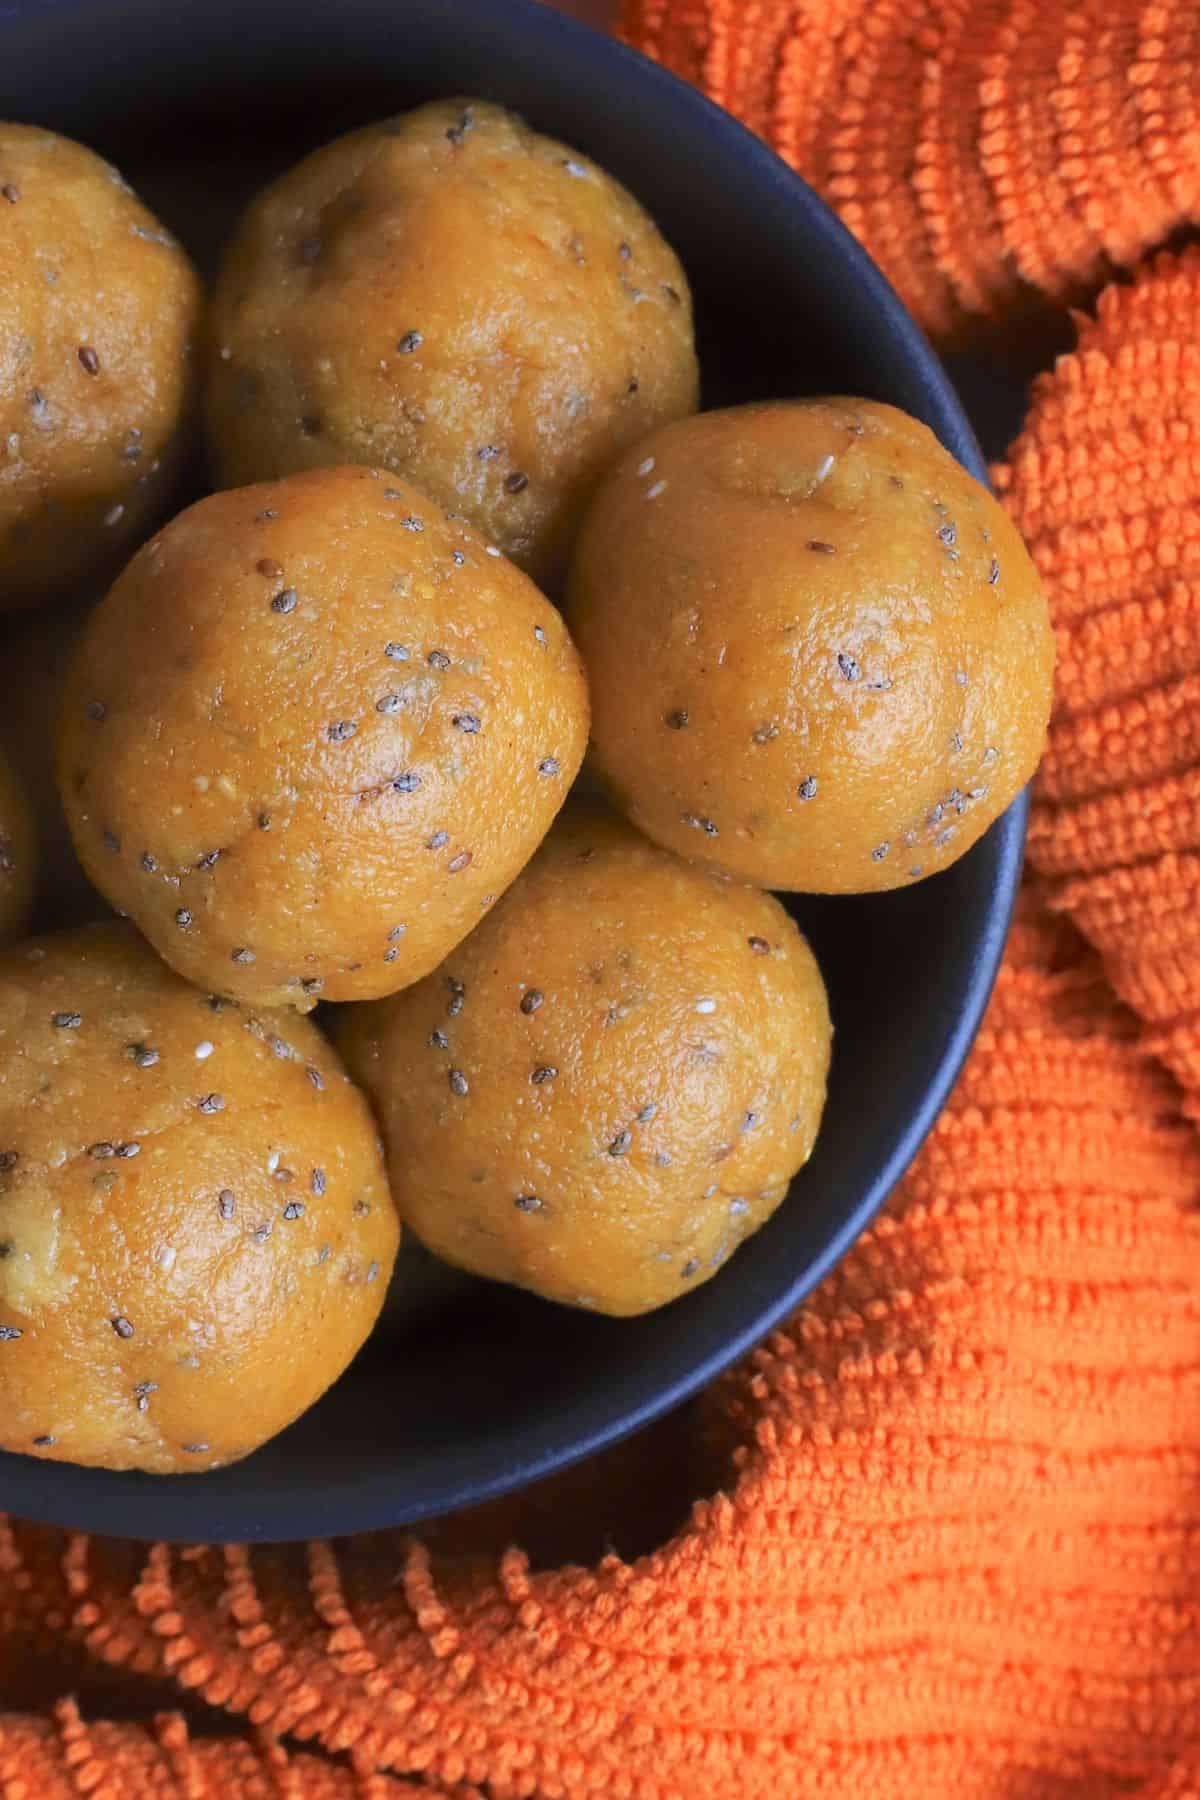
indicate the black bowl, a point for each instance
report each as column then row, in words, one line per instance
column 198, row 103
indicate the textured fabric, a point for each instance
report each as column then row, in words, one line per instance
column 949, row 1538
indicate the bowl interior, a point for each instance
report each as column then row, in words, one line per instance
column 200, row 104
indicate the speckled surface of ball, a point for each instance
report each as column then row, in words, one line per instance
column 196, row 1233
column 451, row 295
column 610, row 1084
column 19, row 860
column 819, row 652
column 312, row 733
column 99, row 310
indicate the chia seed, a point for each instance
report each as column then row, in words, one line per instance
column 646, row 1114
column 372, row 1272
column 341, row 730
column 211, row 1103
column 548, row 766
column 808, row 787
column 539, row 634
column 848, row 666
column 676, row 720
column 457, row 558
column 527, row 1203
column 468, row 722
column 317, row 1079
column 226, row 1203
column 948, row 534
column 262, row 1232
column 514, row 483
column 88, row 359
column 437, row 659
column 459, row 862
column 121, row 1326
column 389, row 703
column 127, row 1150
column 738, row 1207
column 546, row 1072
column 699, row 824
column 244, row 956
column 412, row 523
column 195, row 1449
column 438, row 839
column 397, row 931
column 312, row 984
column 454, row 1006
column 210, row 860
column 531, row 1000
column 880, row 851
column 458, row 1082
column 294, row 1209
column 43, row 1442
column 438, row 1040
column 620, row 1143
column 406, row 784
column 264, row 821
column 412, row 340
column 759, row 945
column 284, row 601
column 8, row 1335
column 96, row 709
column 67, row 1021
column 183, row 918
column 397, row 652
column 994, row 572
column 822, row 548
column 143, row 1056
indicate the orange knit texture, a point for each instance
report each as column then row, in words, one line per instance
column 949, row 1544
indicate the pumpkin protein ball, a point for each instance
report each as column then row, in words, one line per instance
column 457, row 298
column 818, row 650
column 98, row 311
column 610, row 1084
column 312, row 733
column 195, row 1228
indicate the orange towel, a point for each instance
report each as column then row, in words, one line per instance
column 948, row 1538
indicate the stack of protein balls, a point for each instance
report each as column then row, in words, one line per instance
column 312, row 743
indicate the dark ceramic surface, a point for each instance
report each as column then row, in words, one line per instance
column 199, row 101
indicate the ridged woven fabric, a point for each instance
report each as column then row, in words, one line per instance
column 941, row 1537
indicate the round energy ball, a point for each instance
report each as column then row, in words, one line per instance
column 312, row 733
column 18, row 854
column 452, row 296
column 195, row 1229
column 98, row 310
column 610, row 1084
column 819, row 653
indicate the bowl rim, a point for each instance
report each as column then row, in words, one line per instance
column 58, row 1493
